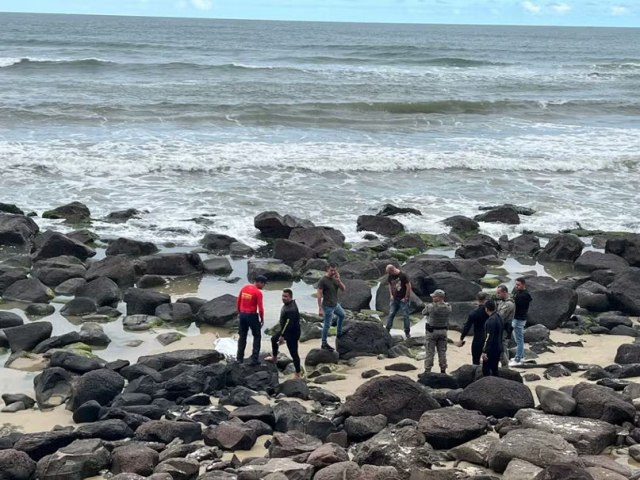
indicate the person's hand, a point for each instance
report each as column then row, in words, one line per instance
column 262, row 322
column 404, row 300
column 281, row 340
column 320, row 312
column 459, row 343
column 485, row 358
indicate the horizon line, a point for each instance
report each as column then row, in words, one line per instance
column 321, row 21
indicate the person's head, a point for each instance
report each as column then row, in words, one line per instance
column 260, row 281
column 332, row 269
column 490, row 306
column 392, row 270
column 481, row 298
column 502, row 292
column 287, row 296
column 438, row 296
column 521, row 284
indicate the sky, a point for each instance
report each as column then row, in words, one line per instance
column 615, row 13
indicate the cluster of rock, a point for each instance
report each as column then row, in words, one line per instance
column 155, row 419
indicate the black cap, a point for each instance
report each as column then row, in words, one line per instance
column 261, row 279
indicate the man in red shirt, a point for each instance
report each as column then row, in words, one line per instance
column 251, row 314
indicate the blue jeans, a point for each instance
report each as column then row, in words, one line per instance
column 518, row 336
column 395, row 306
column 329, row 312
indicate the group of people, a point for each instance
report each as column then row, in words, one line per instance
column 493, row 321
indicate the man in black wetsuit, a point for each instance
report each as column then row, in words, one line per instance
column 476, row 319
column 289, row 330
column 493, row 340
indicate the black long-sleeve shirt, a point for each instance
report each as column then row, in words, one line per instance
column 522, row 299
column 290, row 321
column 493, row 334
column 476, row 319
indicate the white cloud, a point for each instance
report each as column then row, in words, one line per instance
column 618, row 10
column 531, row 7
column 202, row 4
column 562, row 8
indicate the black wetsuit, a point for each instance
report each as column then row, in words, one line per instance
column 290, row 331
column 476, row 319
column 493, row 328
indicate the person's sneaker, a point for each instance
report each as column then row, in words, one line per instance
column 326, row 346
column 443, row 370
column 514, row 363
column 407, row 335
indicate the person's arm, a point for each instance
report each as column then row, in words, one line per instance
column 407, row 297
column 340, row 284
column 448, row 307
column 509, row 310
column 319, row 294
column 260, row 307
column 490, row 335
column 467, row 326
column 390, row 288
column 288, row 317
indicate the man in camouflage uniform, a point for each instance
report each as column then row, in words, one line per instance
column 437, row 325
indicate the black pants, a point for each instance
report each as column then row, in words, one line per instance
column 490, row 367
column 292, row 345
column 476, row 350
column 249, row 321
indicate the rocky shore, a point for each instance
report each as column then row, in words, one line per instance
column 180, row 409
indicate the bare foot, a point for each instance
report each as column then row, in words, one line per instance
column 270, row 358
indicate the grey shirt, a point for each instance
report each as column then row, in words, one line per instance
column 329, row 287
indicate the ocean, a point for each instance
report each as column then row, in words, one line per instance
column 203, row 124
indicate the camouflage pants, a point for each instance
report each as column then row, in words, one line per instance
column 436, row 340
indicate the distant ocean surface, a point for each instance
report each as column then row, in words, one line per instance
column 184, row 118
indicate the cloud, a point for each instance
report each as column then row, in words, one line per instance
column 619, row 10
column 202, row 4
column 561, row 8
column 531, row 7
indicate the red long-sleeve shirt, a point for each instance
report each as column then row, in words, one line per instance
column 250, row 300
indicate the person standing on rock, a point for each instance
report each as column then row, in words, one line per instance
column 328, row 306
column 437, row 325
column 400, row 294
column 251, row 315
column 476, row 319
column 522, row 299
column 493, row 343
column 506, row 308
column 289, row 330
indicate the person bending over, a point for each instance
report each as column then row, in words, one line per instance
column 476, row 319
column 289, row 331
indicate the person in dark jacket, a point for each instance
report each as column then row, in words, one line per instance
column 522, row 299
column 476, row 319
column 289, row 331
column 492, row 349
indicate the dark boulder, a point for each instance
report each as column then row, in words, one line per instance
column 163, row 361
column 52, row 387
column 144, row 302
column 122, row 216
column 364, row 427
column 30, row 290
column 628, row 247
column 563, row 247
column 389, row 209
column 166, row 431
column 110, row 429
column 525, row 245
column 74, row 362
column 461, row 225
column 150, row 281
column 359, row 269
column 317, row 356
column 218, row 266
column 290, row 252
column 219, row 311
column 56, row 245
column 272, row 269
column 100, row 385
column 590, row 261
column 264, row 413
column 478, row 246
column 17, row 230
column 39, row 444
column 74, row 212
column 79, row 306
column 555, row 402
column 26, row 337
column 504, row 214
column 602, row 403
column 9, row 319
column 134, row 248
column 457, row 288
column 174, row 312
column 320, row 239
column 16, row 465
column 396, row 397
column 564, row 471
column 121, row 269
column 496, row 396
column 103, row 291
column 54, row 271
column 552, row 307
column 69, row 287
column 273, row 225
column 628, row 353
column 356, row 296
column 625, row 291
column 446, row 428
column 173, row 264
column 363, row 338
column 218, row 242
column 379, row 224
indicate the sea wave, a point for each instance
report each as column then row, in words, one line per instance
column 28, row 62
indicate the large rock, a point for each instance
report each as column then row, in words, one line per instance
column 126, row 246
column 555, row 402
column 474, row 451
column 9, row 319
column 503, row 214
column 588, row 436
column 525, row 245
column 137, row 459
column 56, row 244
column 563, row 247
column 628, row 247
column 449, row 427
column 30, row 290
column 26, row 337
column 217, row 266
column 10, row 277
column 397, row 397
column 361, row 428
column 79, row 306
column 478, row 246
column 219, row 311
column 379, row 224
column 84, row 457
column 74, row 212
column 271, row 268
column 52, row 387
column 628, row 353
column 230, row 436
column 461, row 225
column 534, row 446
column 320, row 239
column 103, row 291
column 317, row 356
column 327, row 454
column 362, row 338
column 591, row 260
column 290, row 252
column 277, row 469
column 602, row 403
column 121, row 269
column 39, row 444
column 273, row 225
column 566, row 471
column 360, row 270
column 16, row 465
column 17, row 230
column 166, row 431
column 457, row 288
column 356, row 296
column 174, row 312
column 162, row 361
column 171, row 264
column 625, row 291
column 74, row 362
column 144, row 302
column 552, row 307
column 496, row 396
column 100, row 385
column 55, row 271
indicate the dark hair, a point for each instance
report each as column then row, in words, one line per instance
column 261, row 279
column 481, row 296
column 503, row 288
column 521, row 280
column 490, row 305
column 331, row 265
column 288, row 291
